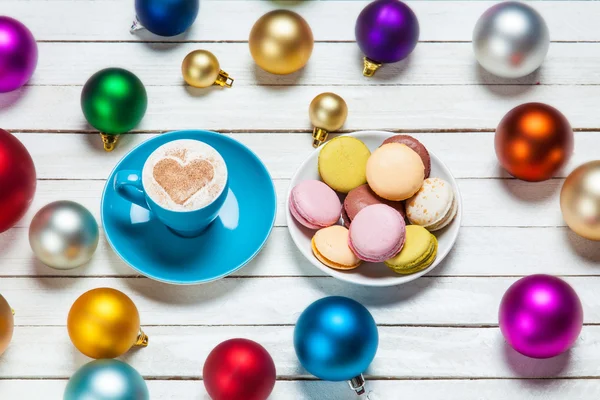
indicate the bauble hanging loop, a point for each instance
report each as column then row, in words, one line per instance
column 165, row 17
column 327, row 113
column 201, row 69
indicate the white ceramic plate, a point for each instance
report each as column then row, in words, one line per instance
column 371, row 274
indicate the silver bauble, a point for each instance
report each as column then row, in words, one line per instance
column 511, row 40
column 63, row 235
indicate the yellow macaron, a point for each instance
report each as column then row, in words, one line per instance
column 343, row 163
column 330, row 246
column 418, row 253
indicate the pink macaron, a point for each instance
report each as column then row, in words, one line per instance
column 377, row 233
column 314, row 204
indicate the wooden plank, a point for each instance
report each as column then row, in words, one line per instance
column 478, row 252
column 331, row 64
column 431, row 301
column 270, row 108
column 329, row 20
column 489, row 389
column 403, row 353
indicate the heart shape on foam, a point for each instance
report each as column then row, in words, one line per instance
column 182, row 181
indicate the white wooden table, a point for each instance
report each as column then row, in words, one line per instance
column 439, row 334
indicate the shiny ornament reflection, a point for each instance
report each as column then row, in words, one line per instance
column 201, row 69
column 511, row 40
column 239, row 369
column 327, row 113
column 18, row 54
column 281, row 42
column 580, row 200
column 106, row 380
column 17, row 180
column 165, row 17
column 386, row 31
column 7, row 324
column 336, row 339
column 113, row 101
column 541, row 316
column 63, row 235
column 104, row 323
column 533, row 141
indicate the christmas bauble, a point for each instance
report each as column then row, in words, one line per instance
column 540, row 316
column 533, row 141
column 113, row 101
column 336, row 338
column 239, row 369
column 17, row 180
column 511, row 40
column 580, row 200
column 281, row 42
column 387, row 31
column 106, row 380
column 7, row 324
column 327, row 113
column 166, row 17
column 63, row 235
column 18, row 54
column 201, row 69
column 104, row 323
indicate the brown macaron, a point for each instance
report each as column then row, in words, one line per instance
column 362, row 197
column 414, row 145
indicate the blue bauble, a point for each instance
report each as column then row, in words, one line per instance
column 106, row 380
column 336, row 338
column 167, row 17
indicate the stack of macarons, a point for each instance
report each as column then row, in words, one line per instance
column 384, row 190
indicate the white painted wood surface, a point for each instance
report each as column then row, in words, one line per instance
column 439, row 334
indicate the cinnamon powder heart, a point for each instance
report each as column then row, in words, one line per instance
column 183, row 181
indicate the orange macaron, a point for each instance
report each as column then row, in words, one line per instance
column 330, row 246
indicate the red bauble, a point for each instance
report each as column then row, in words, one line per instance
column 17, row 180
column 533, row 141
column 239, row 369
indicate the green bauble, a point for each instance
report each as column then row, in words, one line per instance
column 114, row 101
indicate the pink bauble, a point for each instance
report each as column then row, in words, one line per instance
column 18, row 54
column 540, row 316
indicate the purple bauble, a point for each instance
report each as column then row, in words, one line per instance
column 387, row 31
column 540, row 316
column 18, row 54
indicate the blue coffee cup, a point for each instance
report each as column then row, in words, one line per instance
column 186, row 223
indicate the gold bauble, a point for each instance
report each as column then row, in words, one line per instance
column 580, row 200
column 7, row 324
column 201, row 69
column 104, row 323
column 281, row 42
column 327, row 112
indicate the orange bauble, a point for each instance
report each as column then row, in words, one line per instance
column 533, row 141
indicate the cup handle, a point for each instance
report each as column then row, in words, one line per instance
column 128, row 184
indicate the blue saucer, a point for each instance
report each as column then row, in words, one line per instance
column 231, row 241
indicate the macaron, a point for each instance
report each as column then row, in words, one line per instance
column 416, row 146
column 361, row 197
column 330, row 246
column 377, row 233
column 395, row 171
column 343, row 163
column 418, row 253
column 434, row 206
column 314, row 204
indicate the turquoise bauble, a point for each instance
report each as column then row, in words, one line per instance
column 106, row 380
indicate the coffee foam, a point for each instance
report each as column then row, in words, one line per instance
column 184, row 175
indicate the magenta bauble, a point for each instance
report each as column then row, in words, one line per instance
column 541, row 316
column 18, row 54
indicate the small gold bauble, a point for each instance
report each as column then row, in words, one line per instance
column 580, row 200
column 201, row 69
column 281, row 42
column 7, row 324
column 104, row 323
column 327, row 112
